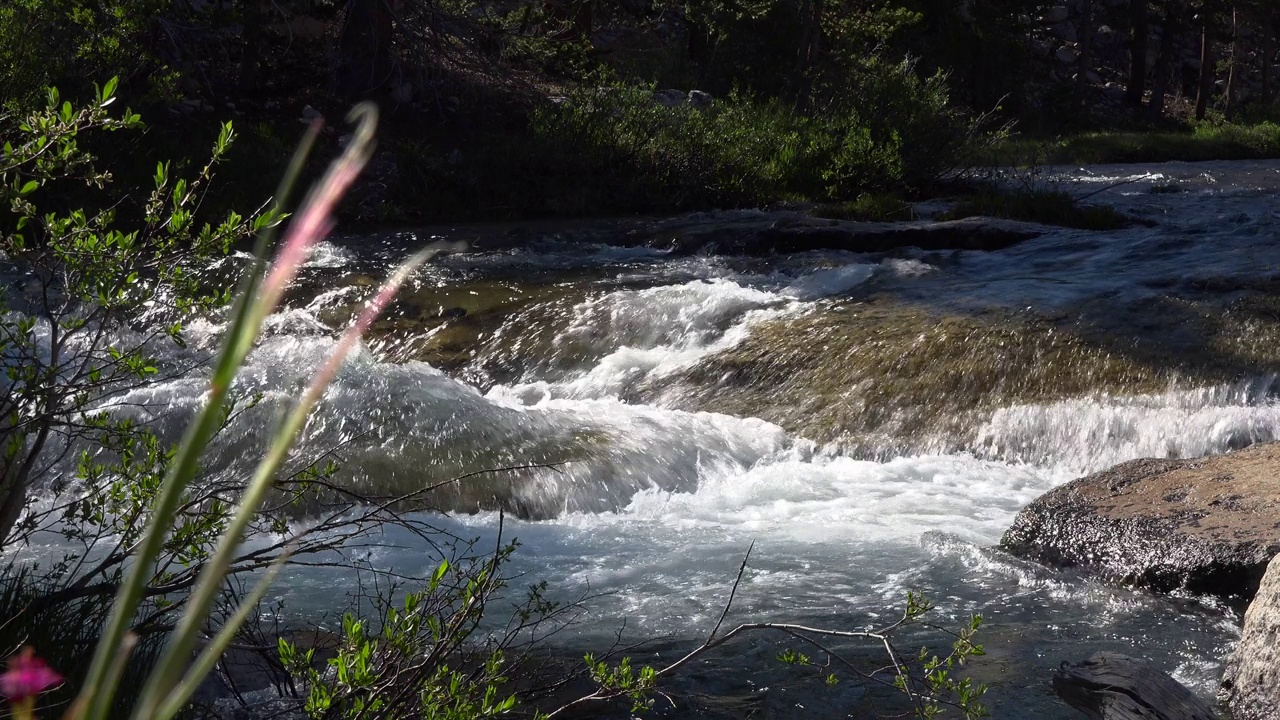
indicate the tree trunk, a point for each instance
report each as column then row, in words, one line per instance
column 810, row 46
column 1268, row 53
column 1137, row 52
column 13, row 490
column 249, row 58
column 1164, row 66
column 364, row 48
column 1231, row 61
column 1206, row 69
column 1086, row 51
column 699, row 46
column 811, row 42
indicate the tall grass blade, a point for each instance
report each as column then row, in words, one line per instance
column 212, row 653
column 182, row 642
column 98, row 693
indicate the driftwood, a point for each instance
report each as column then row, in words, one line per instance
column 1110, row 686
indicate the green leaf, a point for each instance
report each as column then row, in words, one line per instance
column 109, row 91
column 30, row 187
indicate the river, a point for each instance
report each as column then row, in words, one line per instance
column 872, row 423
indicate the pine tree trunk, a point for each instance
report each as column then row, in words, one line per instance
column 1137, row 52
column 1086, row 52
column 811, row 37
column 364, row 48
column 1231, row 62
column 1160, row 78
column 249, row 58
column 1268, row 54
column 1206, row 69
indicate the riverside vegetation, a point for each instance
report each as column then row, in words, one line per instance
column 505, row 109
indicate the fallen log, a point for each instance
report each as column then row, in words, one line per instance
column 1111, row 686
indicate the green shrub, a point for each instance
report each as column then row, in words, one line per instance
column 614, row 149
column 61, row 42
column 899, row 130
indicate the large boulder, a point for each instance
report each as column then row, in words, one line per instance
column 1251, row 683
column 1208, row 525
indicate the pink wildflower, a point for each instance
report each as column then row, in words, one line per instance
column 27, row 677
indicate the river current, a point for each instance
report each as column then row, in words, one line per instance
column 582, row 356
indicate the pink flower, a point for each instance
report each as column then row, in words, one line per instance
column 27, row 677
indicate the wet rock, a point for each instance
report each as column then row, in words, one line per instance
column 700, row 100
column 1208, row 525
column 907, row 376
column 1067, row 55
column 765, row 233
column 1110, row 686
column 1251, row 684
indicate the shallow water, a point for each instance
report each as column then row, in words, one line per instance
column 654, row 506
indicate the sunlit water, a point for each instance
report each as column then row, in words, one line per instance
column 653, row 508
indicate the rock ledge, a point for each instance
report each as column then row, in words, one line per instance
column 1208, row 525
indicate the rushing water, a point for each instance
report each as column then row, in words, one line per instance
column 655, row 503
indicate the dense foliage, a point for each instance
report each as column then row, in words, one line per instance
column 818, row 100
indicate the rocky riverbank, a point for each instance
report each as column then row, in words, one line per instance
column 1207, row 526
column 1251, row 684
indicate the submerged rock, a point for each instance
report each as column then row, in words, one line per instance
column 1208, row 525
column 1251, row 683
column 874, row 372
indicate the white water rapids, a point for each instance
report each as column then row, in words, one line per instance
column 656, row 506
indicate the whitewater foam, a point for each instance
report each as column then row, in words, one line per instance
column 1088, row 434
